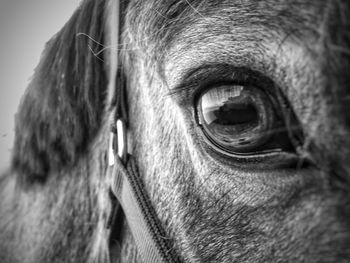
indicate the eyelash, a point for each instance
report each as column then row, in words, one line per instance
column 198, row 80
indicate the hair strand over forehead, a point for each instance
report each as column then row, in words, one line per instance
column 63, row 105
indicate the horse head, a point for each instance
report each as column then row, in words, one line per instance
column 237, row 122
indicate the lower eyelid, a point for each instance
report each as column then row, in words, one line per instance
column 262, row 161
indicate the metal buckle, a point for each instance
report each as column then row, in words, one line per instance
column 117, row 143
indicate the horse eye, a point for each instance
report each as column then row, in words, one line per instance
column 238, row 119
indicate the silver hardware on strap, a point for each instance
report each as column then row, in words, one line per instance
column 117, row 145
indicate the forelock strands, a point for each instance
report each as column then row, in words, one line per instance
column 63, row 106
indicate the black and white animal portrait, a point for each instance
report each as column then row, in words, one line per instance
column 185, row 131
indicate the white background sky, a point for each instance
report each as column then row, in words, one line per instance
column 25, row 26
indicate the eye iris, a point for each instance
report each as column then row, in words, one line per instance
column 236, row 118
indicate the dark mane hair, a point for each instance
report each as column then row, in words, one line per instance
column 63, row 105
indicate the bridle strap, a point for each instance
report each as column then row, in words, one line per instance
column 145, row 227
column 127, row 192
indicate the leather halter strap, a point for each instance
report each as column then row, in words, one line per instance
column 127, row 192
column 127, row 187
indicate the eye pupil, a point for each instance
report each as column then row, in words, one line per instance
column 232, row 113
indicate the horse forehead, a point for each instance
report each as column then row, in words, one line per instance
column 232, row 24
column 328, row 21
column 242, row 11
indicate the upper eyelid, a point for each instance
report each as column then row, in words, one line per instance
column 194, row 73
column 196, row 80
